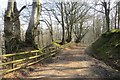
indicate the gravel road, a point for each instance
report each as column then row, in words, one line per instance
column 73, row 63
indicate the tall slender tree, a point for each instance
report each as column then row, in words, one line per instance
column 62, row 23
column 106, row 6
column 118, row 14
column 107, row 13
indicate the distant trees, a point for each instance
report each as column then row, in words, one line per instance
column 75, row 14
column 105, row 17
column 48, row 21
column 111, row 11
column 58, row 13
column 80, row 31
column 106, row 6
column 106, row 11
column 117, row 15
column 71, row 13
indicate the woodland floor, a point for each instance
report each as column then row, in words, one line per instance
column 69, row 63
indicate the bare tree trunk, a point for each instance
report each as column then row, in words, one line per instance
column 118, row 14
column 16, row 23
column 34, row 21
column 116, row 17
column 69, row 37
column 8, row 29
column 106, row 7
column 107, row 21
column 107, row 12
column 8, row 26
column 12, row 27
column 63, row 26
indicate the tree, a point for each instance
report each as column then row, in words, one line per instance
column 12, row 27
column 62, row 23
column 8, row 26
column 118, row 14
column 106, row 6
column 48, row 22
column 59, row 11
column 70, row 18
column 80, row 31
column 107, row 13
column 33, row 24
column 70, row 14
column 74, row 14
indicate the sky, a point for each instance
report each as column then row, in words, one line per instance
column 3, row 3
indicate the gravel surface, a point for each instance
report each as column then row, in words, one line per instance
column 73, row 63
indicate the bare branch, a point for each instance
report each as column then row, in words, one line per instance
column 22, row 9
column 97, row 10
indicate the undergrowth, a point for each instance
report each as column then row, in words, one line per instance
column 107, row 47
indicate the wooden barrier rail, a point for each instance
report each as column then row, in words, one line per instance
column 37, row 54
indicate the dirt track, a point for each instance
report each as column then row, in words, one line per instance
column 73, row 63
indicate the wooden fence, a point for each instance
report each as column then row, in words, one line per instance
column 24, row 59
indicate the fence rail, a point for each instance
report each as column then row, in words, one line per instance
column 38, row 55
